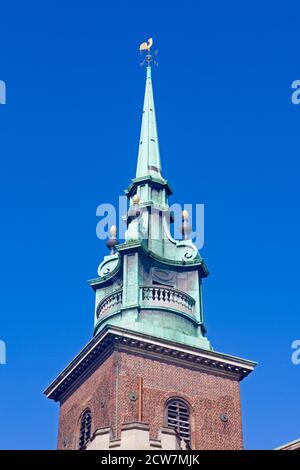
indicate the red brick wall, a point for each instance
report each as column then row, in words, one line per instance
column 209, row 396
column 99, row 386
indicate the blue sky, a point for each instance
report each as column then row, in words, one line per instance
column 229, row 138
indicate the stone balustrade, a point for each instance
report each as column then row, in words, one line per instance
column 110, row 303
column 152, row 296
column 160, row 296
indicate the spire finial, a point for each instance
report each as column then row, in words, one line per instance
column 146, row 46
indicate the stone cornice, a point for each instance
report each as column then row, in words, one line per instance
column 140, row 246
column 155, row 182
column 113, row 338
column 294, row 445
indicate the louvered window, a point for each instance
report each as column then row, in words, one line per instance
column 85, row 429
column 178, row 417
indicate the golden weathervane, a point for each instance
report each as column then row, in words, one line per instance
column 146, row 46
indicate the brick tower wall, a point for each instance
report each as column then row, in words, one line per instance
column 106, row 393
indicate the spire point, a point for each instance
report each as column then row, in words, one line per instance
column 149, row 157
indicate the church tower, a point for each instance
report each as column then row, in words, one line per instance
column 149, row 378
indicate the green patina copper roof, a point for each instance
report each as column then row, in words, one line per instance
column 152, row 284
column 149, row 158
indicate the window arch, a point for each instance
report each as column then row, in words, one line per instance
column 85, row 429
column 178, row 417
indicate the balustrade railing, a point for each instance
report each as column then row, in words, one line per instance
column 167, row 297
column 156, row 296
column 110, row 304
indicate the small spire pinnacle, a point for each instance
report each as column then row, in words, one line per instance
column 112, row 240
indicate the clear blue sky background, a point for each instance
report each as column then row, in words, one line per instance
column 229, row 138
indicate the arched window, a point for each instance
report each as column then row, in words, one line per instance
column 85, row 429
column 178, row 417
